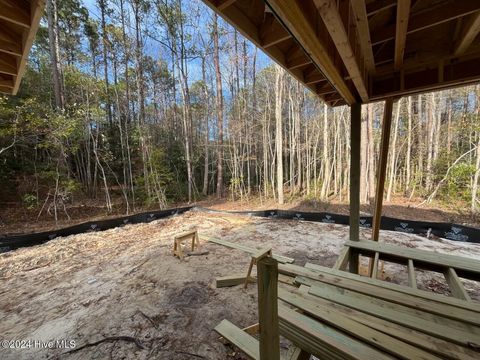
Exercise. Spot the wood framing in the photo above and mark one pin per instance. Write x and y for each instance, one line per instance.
(469, 32)
(382, 167)
(403, 11)
(365, 50)
(268, 308)
(19, 21)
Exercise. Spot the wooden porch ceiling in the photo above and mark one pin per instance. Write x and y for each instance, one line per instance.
(350, 51)
(19, 21)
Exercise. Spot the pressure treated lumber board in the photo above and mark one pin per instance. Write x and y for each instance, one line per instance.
(231, 280)
(455, 285)
(245, 342)
(465, 267)
(438, 329)
(439, 298)
(323, 341)
(366, 334)
(279, 258)
(396, 299)
(416, 338)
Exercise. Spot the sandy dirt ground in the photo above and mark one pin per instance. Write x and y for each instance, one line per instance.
(121, 294)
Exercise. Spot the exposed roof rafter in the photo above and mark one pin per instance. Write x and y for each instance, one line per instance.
(403, 13)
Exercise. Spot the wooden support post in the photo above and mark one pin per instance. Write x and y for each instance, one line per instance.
(267, 275)
(375, 265)
(355, 132)
(455, 285)
(412, 279)
(382, 167)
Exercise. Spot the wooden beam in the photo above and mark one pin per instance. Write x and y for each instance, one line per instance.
(401, 294)
(438, 15)
(244, 341)
(457, 72)
(314, 78)
(267, 269)
(223, 4)
(355, 145)
(469, 32)
(382, 167)
(300, 25)
(428, 260)
(378, 6)
(361, 21)
(333, 21)
(8, 65)
(412, 279)
(16, 12)
(342, 260)
(272, 32)
(455, 284)
(403, 13)
(10, 42)
(36, 12)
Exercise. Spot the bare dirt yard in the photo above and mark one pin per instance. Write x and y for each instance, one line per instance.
(121, 294)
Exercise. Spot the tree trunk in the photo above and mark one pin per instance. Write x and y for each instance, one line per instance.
(55, 53)
(216, 60)
(278, 130)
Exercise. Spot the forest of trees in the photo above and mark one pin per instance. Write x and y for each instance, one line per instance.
(145, 103)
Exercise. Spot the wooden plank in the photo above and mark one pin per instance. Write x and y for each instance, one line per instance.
(425, 19)
(333, 21)
(382, 167)
(355, 145)
(412, 295)
(361, 20)
(299, 24)
(465, 267)
(36, 11)
(279, 258)
(455, 285)
(245, 342)
(368, 335)
(250, 330)
(468, 336)
(467, 35)
(429, 310)
(421, 340)
(267, 273)
(322, 340)
(342, 260)
(375, 266)
(403, 14)
(16, 12)
(412, 279)
(223, 4)
(377, 6)
(231, 280)
(288, 280)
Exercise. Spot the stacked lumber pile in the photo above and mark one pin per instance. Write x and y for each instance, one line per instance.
(334, 314)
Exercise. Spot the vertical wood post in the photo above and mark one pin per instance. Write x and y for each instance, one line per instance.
(267, 274)
(355, 138)
(382, 167)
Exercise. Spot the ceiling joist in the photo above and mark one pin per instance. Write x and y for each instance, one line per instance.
(469, 32)
(403, 13)
(333, 21)
(16, 12)
(427, 19)
(296, 20)
(361, 21)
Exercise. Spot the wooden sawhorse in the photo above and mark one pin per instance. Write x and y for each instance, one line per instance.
(178, 240)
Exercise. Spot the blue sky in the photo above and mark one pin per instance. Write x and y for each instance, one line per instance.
(154, 48)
